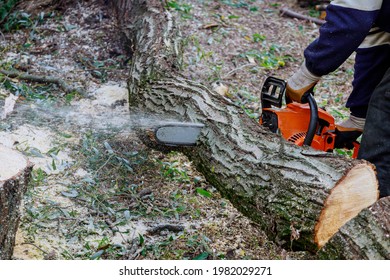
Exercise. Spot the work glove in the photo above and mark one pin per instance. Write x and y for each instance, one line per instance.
(300, 85)
(348, 131)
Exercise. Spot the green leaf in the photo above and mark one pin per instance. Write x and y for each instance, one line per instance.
(201, 256)
(35, 152)
(97, 255)
(203, 192)
(258, 37)
(108, 147)
(54, 151)
(65, 135)
(53, 164)
(72, 193)
(141, 240)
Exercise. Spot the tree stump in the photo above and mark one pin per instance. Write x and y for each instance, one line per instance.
(15, 171)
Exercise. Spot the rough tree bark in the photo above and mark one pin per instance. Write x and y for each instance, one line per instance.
(15, 172)
(365, 237)
(298, 196)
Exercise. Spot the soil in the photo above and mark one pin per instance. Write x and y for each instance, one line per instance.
(97, 192)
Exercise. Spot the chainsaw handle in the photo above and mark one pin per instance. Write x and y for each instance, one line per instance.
(311, 130)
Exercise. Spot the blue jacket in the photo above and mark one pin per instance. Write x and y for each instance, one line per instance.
(354, 25)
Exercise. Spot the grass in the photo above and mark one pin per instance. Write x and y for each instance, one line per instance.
(184, 9)
(270, 57)
(6, 7)
(11, 20)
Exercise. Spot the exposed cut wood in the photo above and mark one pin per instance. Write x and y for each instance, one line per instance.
(15, 172)
(356, 191)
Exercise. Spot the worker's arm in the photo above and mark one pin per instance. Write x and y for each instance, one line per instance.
(348, 22)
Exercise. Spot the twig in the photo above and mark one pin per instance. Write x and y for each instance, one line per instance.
(42, 79)
(32, 244)
(104, 164)
(290, 13)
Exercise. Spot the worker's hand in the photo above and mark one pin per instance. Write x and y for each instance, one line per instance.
(300, 84)
(348, 131)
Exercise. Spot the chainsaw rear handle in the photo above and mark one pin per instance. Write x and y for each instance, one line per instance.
(272, 95)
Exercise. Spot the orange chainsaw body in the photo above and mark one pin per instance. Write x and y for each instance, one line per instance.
(292, 123)
(301, 124)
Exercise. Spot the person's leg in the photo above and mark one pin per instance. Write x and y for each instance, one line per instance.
(371, 63)
(375, 145)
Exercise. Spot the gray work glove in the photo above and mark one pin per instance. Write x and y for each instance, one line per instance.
(348, 131)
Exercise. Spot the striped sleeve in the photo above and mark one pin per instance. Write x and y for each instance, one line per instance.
(376, 37)
(348, 22)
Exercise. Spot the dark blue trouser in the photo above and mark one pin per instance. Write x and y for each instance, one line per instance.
(375, 146)
(370, 66)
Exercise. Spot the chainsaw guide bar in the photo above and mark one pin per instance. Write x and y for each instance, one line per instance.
(178, 133)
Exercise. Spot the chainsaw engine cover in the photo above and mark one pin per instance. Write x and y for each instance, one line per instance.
(292, 123)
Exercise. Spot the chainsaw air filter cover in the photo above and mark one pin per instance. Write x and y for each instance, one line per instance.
(298, 138)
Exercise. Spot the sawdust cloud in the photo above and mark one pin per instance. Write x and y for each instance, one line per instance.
(80, 118)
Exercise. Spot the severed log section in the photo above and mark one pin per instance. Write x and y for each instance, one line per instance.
(15, 170)
(299, 197)
(365, 237)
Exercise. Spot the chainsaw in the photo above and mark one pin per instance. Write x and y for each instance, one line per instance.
(177, 133)
(301, 124)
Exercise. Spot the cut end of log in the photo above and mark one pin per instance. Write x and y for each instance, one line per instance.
(11, 163)
(357, 190)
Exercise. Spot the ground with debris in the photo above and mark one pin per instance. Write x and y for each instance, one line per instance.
(97, 192)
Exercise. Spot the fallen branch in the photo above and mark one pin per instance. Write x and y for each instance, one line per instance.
(290, 13)
(42, 79)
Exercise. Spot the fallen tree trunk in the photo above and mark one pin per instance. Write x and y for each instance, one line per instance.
(298, 196)
(15, 172)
